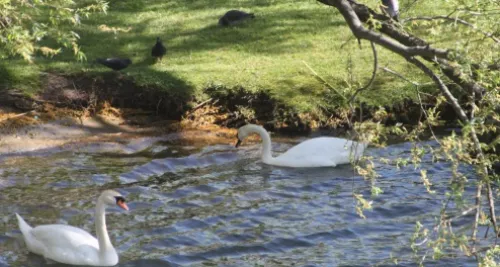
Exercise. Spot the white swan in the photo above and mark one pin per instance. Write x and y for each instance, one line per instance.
(71, 245)
(316, 152)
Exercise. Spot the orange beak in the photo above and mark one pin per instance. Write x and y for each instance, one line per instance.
(122, 205)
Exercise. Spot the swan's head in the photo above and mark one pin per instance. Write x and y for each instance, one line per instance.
(111, 198)
(245, 131)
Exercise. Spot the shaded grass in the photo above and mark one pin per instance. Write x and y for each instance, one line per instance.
(265, 53)
(20, 76)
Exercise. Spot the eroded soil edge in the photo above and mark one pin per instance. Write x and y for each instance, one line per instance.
(81, 109)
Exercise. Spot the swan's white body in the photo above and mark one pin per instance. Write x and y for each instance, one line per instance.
(71, 245)
(316, 152)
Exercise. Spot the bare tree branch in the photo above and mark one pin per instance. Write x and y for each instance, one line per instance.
(374, 74)
(484, 169)
(409, 47)
(400, 42)
(361, 32)
(476, 217)
(442, 87)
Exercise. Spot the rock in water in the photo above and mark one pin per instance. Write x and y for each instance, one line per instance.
(234, 16)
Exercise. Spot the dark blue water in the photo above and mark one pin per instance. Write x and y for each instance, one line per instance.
(217, 206)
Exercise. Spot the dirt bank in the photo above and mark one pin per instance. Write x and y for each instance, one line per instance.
(228, 107)
(71, 110)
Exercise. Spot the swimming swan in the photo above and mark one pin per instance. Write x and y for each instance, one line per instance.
(316, 152)
(71, 245)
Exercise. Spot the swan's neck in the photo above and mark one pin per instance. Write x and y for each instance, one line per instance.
(266, 143)
(101, 230)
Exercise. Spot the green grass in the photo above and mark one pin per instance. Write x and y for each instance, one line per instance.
(265, 53)
(20, 76)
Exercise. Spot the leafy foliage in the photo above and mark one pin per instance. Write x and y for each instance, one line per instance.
(28, 27)
(474, 29)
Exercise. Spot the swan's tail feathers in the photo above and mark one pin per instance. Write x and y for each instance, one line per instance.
(23, 226)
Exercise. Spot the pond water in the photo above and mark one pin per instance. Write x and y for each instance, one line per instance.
(218, 206)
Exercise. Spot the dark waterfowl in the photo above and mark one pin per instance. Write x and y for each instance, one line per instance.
(234, 16)
(159, 50)
(114, 63)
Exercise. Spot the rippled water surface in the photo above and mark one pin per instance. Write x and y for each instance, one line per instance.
(217, 206)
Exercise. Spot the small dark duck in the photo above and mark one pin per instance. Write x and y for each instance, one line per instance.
(234, 16)
(159, 50)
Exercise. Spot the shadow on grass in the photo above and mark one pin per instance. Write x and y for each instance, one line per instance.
(187, 28)
(273, 33)
(157, 91)
(5, 80)
(269, 33)
(16, 75)
(187, 5)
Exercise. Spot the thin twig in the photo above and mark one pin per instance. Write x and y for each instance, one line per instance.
(476, 217)
(455, 20)
(407, 7)
(346, 42)
(202, 104)
(419, 99)
(374, 73)
(491, 205)
(398, 75)
(480, 155)
(475, 13)
(426, 115)
(158, 105)
(368, 85)
(436, 228)
(323, 80)
(17, 115)
(463, 213)
(442, 87)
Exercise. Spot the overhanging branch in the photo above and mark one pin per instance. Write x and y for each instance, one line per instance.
(361, 32)
(400, 41)
(409, 47)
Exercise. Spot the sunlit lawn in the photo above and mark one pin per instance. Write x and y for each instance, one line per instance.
(269, 52)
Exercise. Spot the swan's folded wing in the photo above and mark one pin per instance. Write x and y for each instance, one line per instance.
(322, 151)
(60, 235)
(320, 146)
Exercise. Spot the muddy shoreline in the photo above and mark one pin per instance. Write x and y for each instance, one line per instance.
(71, 111)
(88, 95)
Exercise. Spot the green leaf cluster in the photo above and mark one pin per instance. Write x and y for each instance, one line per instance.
(28, 27)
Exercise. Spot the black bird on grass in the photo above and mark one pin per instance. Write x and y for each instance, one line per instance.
(391, 8)
(114, 62)
(159, 50)
(234, 16)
